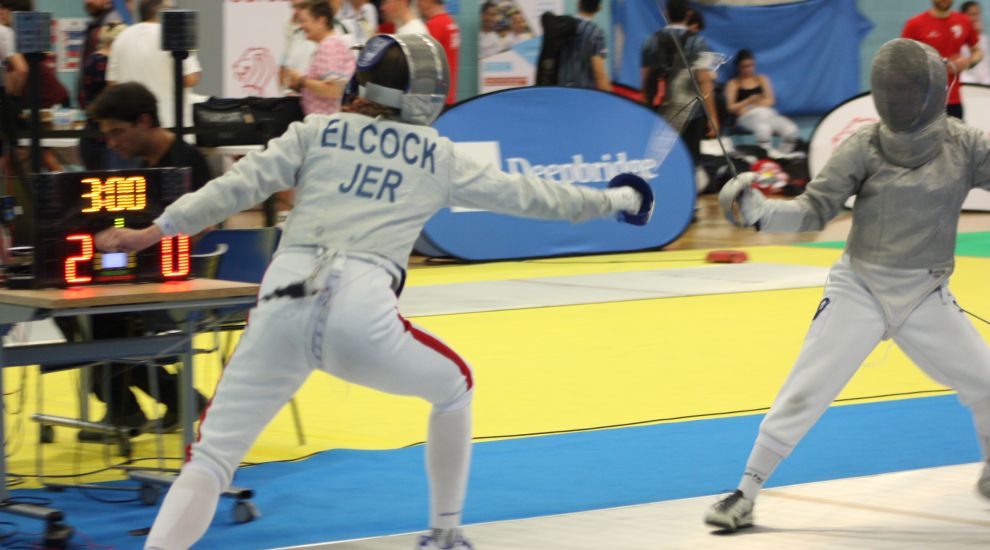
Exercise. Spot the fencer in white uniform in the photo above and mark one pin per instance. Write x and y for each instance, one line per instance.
(366, 182)
(910, 174)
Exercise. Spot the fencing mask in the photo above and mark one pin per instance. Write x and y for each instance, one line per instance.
(909, 91)
(422, 98)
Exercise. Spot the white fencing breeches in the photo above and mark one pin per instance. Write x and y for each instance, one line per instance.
(937, 336)
(364, 341)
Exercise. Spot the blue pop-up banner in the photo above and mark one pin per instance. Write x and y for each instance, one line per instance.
(569, 135)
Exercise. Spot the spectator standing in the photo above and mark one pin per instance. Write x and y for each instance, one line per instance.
(298, 49)
(400, 14)
(137, 55)
(582, 63)
(93, 151)
(365, 16)
(947, 31)
(101, 13)
(53, 93)
(668, 84)
(322, 85)
(443, 27)
(980, 72)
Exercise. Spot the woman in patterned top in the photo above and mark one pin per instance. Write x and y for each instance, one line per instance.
(322, 85)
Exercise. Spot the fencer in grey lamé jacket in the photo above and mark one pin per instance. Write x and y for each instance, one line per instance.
(904, 217)
(906, 213)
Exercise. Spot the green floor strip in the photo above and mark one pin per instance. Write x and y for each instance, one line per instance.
(967, 244)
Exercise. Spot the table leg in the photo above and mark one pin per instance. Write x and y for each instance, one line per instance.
(187, 405)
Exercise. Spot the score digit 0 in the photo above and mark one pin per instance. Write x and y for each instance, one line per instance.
(116, 194)
(175, 256)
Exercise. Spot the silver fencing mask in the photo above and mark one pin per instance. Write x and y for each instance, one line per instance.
(909, 91)
(429, 76)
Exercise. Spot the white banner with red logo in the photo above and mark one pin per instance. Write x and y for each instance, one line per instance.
(253, 43)
(845, 119)
(509, 42)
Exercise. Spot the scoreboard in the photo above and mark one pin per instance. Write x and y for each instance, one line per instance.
(71, 207)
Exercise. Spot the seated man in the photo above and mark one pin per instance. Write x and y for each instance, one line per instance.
(128, 117)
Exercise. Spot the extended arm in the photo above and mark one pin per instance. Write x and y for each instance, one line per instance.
(841, 177)
(484, 186)
(248, 182)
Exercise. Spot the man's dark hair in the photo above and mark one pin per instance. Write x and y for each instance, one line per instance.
(966, 5)
(127, 102)
(489, 4)
(589, 6)
(677, 10)
(148, 9)
(694, 17)
(17, 5)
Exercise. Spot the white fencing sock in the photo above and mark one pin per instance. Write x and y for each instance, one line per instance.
(448, 460)
(187, 510)
(761, 464)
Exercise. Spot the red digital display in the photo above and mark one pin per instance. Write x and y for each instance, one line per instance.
(72, 275)
(71, 207)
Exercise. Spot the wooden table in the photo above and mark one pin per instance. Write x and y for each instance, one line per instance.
(188, 297)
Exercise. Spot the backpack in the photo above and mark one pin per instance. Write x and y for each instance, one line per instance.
(666, 62)
(558, 32)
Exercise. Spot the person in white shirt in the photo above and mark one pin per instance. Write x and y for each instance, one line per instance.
(979, 73)
(400, 13)
(366, 182)
(365, 16)
(137, 55)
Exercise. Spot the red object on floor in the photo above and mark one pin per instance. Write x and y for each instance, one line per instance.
(726, 257)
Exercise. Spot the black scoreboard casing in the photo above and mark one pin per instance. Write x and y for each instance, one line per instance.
(69, 210)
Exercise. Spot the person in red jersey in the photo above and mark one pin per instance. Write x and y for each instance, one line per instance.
(947, 31)
(443, 27)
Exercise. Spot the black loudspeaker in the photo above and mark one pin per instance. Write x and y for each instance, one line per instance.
(178, 30)
(33, 31)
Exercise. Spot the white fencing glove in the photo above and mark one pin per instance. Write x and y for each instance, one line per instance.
(741, 204)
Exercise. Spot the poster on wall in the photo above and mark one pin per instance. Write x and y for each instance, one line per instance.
(68, 40)
(509, 42)
(253, 45)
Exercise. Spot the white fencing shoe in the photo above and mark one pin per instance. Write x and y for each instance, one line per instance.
(731, 513)
(444, 539)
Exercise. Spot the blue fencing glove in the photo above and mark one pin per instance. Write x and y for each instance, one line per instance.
(632, 198)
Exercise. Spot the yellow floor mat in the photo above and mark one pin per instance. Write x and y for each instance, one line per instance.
(542, 370)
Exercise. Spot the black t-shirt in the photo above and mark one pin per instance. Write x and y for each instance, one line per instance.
(182, 155)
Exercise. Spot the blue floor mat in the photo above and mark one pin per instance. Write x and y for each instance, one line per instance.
(347, 494)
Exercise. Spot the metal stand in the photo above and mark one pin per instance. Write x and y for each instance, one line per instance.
(57, 533)
(34, 61)
(180, 92)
